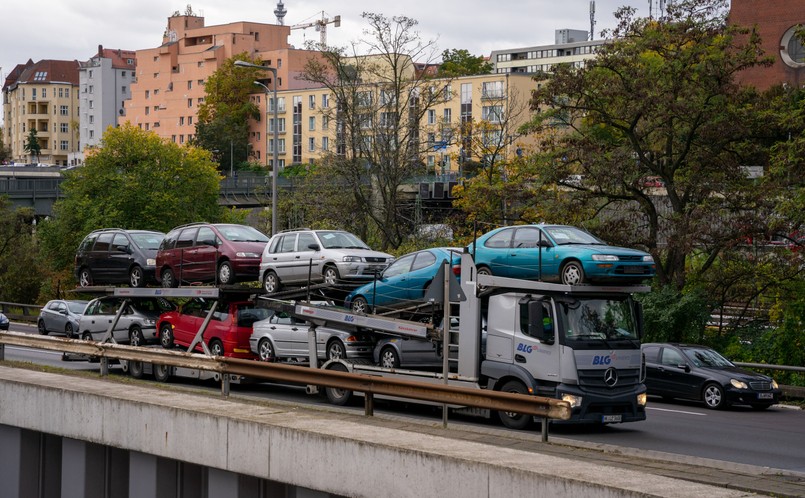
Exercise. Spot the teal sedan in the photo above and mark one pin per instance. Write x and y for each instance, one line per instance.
(558, 253)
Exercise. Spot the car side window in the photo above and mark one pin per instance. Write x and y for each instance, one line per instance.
(671, 357)
(651, 353)
(276, 242)
(205, 237)
(93, 308)
(120, 243)
(168, 242)
(288, 243)
(305, 240)
(62, 308)
(399, 267)
(423, 260)
(186, 238)
(88, 242)
(500, 240)
(526, 237)
(103, 242)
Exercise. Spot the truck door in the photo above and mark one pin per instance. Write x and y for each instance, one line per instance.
(539, 356)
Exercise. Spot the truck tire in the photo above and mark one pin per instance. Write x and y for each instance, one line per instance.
(338, 397)
(136, 369)
(162, 373)
(510, 419)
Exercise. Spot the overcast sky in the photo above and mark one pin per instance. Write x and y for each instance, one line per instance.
(73, 29)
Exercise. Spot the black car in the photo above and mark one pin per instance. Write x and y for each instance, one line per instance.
(117, 256)
(700, 373)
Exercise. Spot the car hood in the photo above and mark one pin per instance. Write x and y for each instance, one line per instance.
(255, 247)
(736, 373)
(599, 249)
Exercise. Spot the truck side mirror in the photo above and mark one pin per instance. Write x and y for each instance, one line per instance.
(638, 309)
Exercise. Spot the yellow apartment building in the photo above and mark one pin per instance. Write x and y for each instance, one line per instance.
(42, 96)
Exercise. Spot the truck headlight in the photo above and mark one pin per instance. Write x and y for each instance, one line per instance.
(604, 257)
(642, 399)
(572, 399)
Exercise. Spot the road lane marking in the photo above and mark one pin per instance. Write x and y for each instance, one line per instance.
(676, 411)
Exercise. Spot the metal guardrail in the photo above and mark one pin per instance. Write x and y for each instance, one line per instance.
(20, 312)
(367, 384)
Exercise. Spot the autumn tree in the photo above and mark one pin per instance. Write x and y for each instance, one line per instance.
(459, 62)
(380, 100)
(19, 278)
(658, 112)
(134, 180)
(225, 114)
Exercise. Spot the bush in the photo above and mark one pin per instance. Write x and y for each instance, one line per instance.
(671, 316)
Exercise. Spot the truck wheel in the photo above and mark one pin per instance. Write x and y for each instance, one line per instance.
(572, 273)
(136, 369)
(162, 373)
(339, 397)
(510, 419)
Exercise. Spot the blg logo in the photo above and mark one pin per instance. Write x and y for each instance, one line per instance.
(602, 360)
(525, 348)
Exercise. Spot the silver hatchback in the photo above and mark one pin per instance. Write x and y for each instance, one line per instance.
(329, 256)
(137, 323)
(282, 337)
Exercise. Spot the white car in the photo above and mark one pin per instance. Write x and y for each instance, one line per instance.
(136, 326)
(329, 256)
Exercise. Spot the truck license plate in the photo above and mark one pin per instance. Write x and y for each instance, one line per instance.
(765, 395)
(610, 419)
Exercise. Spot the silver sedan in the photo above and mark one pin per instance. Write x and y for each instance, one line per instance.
(61, 316)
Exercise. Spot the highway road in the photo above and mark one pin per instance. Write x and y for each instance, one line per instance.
(773, 438)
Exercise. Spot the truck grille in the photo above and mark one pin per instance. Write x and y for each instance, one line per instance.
(594, 379)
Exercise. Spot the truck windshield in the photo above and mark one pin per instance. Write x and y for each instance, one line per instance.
(594, 321)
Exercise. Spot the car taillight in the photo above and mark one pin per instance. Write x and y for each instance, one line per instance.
(456, 270)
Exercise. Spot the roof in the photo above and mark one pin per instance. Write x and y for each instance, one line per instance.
(119, 57)
(49, 71)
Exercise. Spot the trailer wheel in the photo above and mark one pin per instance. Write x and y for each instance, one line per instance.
(514, 420)
(162, 373)
(339, 397)
(136, 369)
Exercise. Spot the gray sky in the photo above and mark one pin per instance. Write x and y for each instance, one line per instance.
(73, 29)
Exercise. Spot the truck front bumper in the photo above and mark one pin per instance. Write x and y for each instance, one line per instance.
(591, 407)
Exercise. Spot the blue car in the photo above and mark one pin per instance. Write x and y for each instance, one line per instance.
(404, 282)
(558, 253)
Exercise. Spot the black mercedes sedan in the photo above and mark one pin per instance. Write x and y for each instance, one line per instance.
(699, 373)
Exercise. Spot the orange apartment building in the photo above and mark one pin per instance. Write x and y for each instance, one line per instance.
(170, 78)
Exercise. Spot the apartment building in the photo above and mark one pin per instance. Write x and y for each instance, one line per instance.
(42, 96)
(104, 87)
(170, 79)
(570, 47)
(478, 116)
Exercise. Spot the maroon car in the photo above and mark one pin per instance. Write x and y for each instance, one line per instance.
(220, 253)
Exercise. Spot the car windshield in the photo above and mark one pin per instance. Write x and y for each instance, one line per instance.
(148, 241)
(599, 320)
(340, 240)
(152, 304)
(77, 307)
(240, 233)
(571, 235)
(703, 357)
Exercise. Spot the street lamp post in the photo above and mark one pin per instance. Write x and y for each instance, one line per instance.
(275, 168)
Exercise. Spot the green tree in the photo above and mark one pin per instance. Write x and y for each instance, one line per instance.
(32, 146)
(459, 62)
(135, 180)
(19, 278)
(382, 100)
(223, 117)
(659, 106)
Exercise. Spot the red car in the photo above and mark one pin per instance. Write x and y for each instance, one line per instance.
(227, 334)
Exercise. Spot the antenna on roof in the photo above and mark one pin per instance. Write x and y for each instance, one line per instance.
(592, 20)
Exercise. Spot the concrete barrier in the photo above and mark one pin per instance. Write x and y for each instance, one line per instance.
(320, 450)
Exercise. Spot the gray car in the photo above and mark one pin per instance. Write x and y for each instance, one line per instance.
(136, 326)
(329, 256)
(61, 316)
(394, 352)
(282, 337)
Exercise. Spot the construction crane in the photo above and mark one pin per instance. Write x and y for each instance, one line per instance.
(321, 26)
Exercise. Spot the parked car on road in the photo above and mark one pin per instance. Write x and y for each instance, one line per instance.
(117, 256)
(61, 316)
(227, 333)
(404, 282)
(699, 373)
(4, 322)
(210, 252)
(558, 253)
(137, 323)
(281, 337)
(328, 256)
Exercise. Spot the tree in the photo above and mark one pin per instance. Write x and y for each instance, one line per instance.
(19, 278)
(459, 62)
(223, 117)
(135, 180)
(381, 100)
(659, 106)
(32, 146)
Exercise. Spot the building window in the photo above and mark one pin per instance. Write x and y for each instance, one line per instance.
(44, 93)
(311, 144)
(311, 123)
(123, 89)
(189, 102)
(64, 145)
(448, 116)
(91, 134)
(90, 73)
(63, 110)
(279, 63)
(148, 94)
(325, 143)
(147, 111)
(122, 74)
(200, 64)
(190, 120)
(325, 122)
(181, 120)
(61, 92)
(325, 100)
(91, 89)
(67, 92)
(311, 101)
(33, 93)
(492, 90)
(791, 49)
(190, 85)
(431, 116)
(492, 113)
(181, 139)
